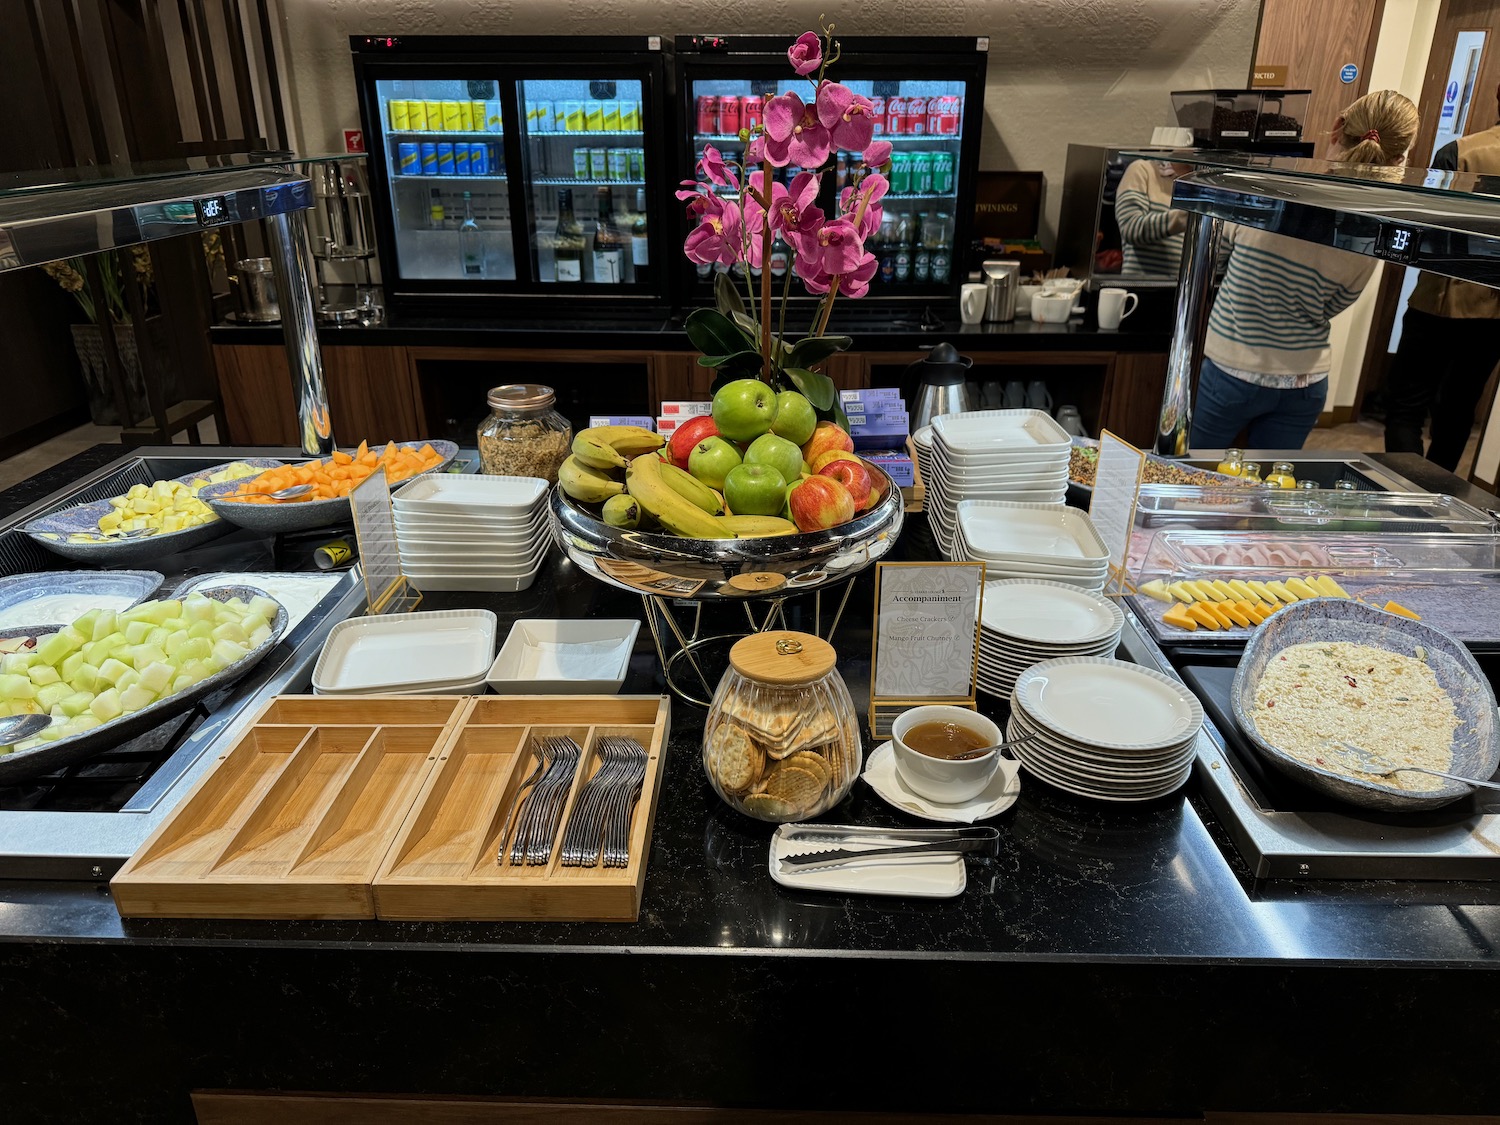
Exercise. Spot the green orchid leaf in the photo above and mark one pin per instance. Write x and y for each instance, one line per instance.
(740, 363)
(815, 349)
(838, 417)
(818, 388)
(727, 297)
(713, 333)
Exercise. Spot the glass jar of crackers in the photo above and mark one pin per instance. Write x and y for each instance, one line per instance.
(782, 740)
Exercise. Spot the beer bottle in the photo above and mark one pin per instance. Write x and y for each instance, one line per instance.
(903, 248)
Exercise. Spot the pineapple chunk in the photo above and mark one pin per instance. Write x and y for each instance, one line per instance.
(1279, 589)
(1301, 588)
(1154, 589)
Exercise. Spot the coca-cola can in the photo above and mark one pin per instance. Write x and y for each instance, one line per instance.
(877, 114)
(708, 114)
(916, 116)
(895, 115)
(935, 114)
(952, 113)
(752, 110)
(729, 115)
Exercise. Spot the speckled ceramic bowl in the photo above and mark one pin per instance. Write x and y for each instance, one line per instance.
(19, 589)
(1476, 745)
(300, 515)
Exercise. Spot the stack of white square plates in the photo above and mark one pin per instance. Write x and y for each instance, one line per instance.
(1105, 729)
(1018, 455)
(472, 533)
(1026, 622)
(1044, 541)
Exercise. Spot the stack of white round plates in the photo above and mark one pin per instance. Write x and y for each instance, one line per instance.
(1026, 622)
(1019, 455)
(1043, 541)
(921, 441)
(472, 533)
(1104, 728)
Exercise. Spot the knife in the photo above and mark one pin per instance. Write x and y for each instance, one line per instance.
(838, 856)
(840, 833)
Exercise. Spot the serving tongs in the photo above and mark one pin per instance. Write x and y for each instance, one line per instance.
(920, 841)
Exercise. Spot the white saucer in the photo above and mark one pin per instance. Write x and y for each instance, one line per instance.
(880, 774)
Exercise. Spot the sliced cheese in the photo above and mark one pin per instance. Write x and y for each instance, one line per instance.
(1225, 590)
(1205, 591)
(1218, 610)
(1282, 593)
(1233, 612)
(1155, 589)
(1242, 590)
(1199, 612)
(1253, 610)
(1261, 591)
(1180, 617)
(1180, 591)
(1301, 588)
(1329, 588)
(1401, 610)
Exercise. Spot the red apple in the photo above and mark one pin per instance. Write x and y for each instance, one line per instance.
(854, 476)
(819, 502)
(828, 458)
(879, 484)
(689, 434)
(825, 437)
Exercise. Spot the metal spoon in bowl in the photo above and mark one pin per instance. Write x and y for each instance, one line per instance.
(1366, 762)
(969, 755)
(291, 492)
(18, 728)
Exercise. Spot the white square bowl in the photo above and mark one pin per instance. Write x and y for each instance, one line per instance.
(547, 657)
(999, 433)
(1031, 533)
(469, 525)
(406, 650)
(471, 495)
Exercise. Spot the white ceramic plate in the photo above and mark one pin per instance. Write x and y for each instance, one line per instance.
(914, 876)
(1008, 529)
(490, 584)
(996, 431)
(470, 495)
(1109, 703)
(1049, 613)
(1103, 791)
(1129, 768)
(880, 774)
(407, 650)
(452, 523)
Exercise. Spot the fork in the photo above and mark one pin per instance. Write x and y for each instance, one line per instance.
(599, 827)
(539, 822)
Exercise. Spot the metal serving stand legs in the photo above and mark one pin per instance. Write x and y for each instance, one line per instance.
(287, 234)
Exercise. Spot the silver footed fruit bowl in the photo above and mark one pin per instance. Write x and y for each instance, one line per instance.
(672, 566)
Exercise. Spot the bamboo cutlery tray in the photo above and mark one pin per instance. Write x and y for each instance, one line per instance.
(391, 807)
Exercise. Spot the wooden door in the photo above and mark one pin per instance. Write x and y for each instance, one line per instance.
(1315, 40)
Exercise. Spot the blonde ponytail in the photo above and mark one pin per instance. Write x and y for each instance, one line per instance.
(1379, 128)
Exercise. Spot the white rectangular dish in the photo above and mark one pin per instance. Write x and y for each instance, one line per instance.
(435, 521)
(547, 657)
(407, 650)
(1019, 531)
(418, 568)
(491, 585)
(475, 495)
(994, 433)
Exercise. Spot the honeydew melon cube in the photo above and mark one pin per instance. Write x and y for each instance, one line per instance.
(252, 622)
(84, 626)
(43, 674)
(145, 655)
(71, 665)
(127, 677)
(76, 637)
(195, 648)
(16, 663)
(80, 723)
(198, 608)
(260, 636)
(230, 631)
(111, 671)
(264, 607)
(235, 603)
(52, 695)
(159, 613)
(51, 734)
(55, 649)
(15, 687)
(158, 636)
(86, 678)
(104, 625)
(157, 678)
(174, 642)
(56, 715)
(106, 706)
(135, 632)
(228, 652)
(204, 629)
(194, 672)
(135, 698)
(77, 703)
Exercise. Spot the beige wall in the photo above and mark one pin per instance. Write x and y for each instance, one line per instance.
(1061, 71)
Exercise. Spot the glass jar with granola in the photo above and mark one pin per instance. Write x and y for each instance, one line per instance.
(782, 740)
(524, 436)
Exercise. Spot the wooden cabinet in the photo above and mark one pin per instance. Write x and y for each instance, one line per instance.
(1132, 397)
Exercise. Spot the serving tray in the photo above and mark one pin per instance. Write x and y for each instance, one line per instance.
(389, 807)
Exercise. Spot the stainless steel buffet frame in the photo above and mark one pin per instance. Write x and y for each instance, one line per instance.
(1444, 222)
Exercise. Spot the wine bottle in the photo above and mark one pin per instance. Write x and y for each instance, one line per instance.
(609, 242)
(567, 253)
(640, 243)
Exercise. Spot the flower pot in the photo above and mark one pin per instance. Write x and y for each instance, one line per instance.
(88, 342)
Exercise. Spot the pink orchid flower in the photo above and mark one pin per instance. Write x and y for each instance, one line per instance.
(755, 215)
(878, 154)
(856, 282)
(842, 247)
(872, 187)
(715, 170)
(794, 132)
(689, 189)
(808, 265)
(806, 55)
(717, 237)
(795, 211)
(755, 151)
(846, 116)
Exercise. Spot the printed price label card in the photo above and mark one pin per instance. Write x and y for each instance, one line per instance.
(386, 588)
(1117, 487)
(926, 642)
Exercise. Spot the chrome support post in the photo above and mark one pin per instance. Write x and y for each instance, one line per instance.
(287, 234)
(1200, 251)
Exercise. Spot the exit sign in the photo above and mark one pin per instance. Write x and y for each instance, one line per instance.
(1266, 74)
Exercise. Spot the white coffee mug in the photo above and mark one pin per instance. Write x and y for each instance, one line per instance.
(971, 302)
(1115, 305)
(1052, 308)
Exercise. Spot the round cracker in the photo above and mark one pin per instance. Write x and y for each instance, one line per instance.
(734, 758)
(799, 787)
(813, 763)
(766, 807)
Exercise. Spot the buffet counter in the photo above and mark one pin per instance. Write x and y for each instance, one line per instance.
(1110, 959)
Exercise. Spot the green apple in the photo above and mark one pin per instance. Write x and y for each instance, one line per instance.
(754, 490)
(779, 453)
(744, 409)
(711, 460)
(795, 417)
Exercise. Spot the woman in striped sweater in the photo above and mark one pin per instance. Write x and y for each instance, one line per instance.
(1150, 230)
(1266, 358)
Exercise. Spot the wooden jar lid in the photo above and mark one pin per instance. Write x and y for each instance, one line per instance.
(783, 658)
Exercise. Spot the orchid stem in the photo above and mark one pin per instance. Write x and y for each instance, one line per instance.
(786, 292)
(765, 272)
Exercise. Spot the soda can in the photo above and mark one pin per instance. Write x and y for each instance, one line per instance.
(429, 159)
(708, 114)
(593, 114)
(934, 114)
(630, 116)
(434, 115)
(895, 116)
(877, 114)
(416, 116)
(462, 165)
(900, 179)
(612, 117)
(496, 159)
(452, 118)
(546, 118)
(752, 110)
(465, 115)
(921, 173)
(575, 117)
(560, 118)
(599, 163)
(479, 158)
(480, 113)
(409, 159)
(730, 115)
(952, 115)
(637, 167)
(916, 116)
(445, 158)
(942, 173)
(400, 121)
(580, 163)
(619, 164)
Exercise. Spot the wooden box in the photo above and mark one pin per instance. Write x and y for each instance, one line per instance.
(378, 806)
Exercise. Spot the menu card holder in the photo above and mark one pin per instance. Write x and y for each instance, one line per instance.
(1117, 489)
(387, 590)
(925, 643)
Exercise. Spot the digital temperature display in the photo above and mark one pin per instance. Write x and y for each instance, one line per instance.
(1398, 244)
(213, 210)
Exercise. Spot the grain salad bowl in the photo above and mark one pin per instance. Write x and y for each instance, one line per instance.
(1476, 742)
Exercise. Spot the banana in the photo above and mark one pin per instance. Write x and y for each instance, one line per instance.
(691, 489)
(584, 482)
(758, 527)
(623, 511)
(645, 481)
(596, 454)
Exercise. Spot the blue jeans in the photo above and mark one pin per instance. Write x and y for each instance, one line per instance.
(1275, 418)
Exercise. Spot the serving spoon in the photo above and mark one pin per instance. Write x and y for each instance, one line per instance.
(1366, 762)
(18, 728)
(290, 492)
